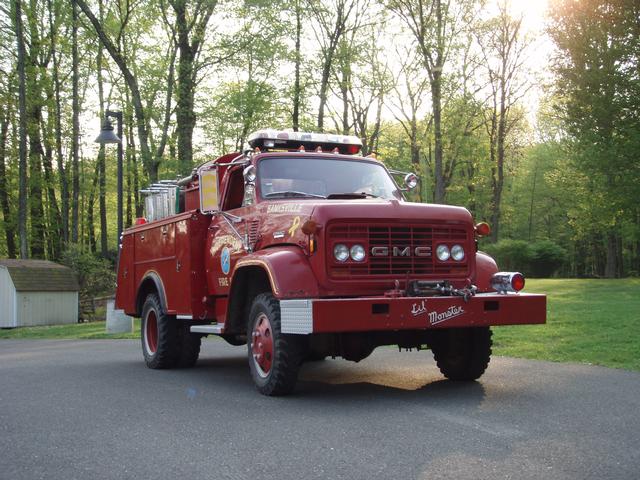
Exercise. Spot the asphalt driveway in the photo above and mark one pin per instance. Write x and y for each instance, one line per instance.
(91, 409)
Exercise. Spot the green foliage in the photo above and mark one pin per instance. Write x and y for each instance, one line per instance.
(510, 255)
(95, 275)
(538, 259)
(545, 258)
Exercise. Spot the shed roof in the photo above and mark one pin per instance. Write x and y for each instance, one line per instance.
(40, 276)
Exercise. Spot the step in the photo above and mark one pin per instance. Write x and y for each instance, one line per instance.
(214, 329)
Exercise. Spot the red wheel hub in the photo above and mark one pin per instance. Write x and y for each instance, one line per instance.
(151, 332)
(262, 345)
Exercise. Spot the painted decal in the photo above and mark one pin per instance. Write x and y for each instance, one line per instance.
(284, 208)
(278, 234)
(418, 308)
(223, 281)
(451, 312)
(225, 260)
(294, 226)
(435, 317)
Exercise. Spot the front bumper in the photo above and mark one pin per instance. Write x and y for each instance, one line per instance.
(304, 316)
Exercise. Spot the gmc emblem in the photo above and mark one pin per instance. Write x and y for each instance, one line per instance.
(400, 252)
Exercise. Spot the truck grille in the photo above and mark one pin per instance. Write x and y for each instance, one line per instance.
(401, 236)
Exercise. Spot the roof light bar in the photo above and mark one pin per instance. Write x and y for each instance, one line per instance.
(275, 139)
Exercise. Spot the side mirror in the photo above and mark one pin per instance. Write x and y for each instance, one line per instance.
(249, 174)
(411, 181)
(208, 184)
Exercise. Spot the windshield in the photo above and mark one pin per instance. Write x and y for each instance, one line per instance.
(284, 177)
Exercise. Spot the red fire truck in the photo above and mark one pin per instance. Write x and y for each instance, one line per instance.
(301, 248)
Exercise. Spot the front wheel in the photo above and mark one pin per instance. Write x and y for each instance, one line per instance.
(274, 357)
(462, 353)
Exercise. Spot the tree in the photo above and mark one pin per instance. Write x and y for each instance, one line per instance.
(191, 19)
(598, 97)
(435, 25)
(504, 48)
(22, 108)
(332, 24)
(132, 83)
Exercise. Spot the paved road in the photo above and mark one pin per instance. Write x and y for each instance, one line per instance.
(92, 410)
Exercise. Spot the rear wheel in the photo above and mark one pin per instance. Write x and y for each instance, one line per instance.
(274, 357)
(462, 353)
(159, 335)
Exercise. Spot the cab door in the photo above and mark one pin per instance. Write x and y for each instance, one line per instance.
(228, 234)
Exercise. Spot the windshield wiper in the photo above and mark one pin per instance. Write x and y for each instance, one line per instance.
(292, 193)
(352, 195)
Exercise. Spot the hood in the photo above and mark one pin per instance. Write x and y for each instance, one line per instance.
(390, 210)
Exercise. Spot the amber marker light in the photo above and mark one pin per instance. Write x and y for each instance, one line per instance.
(483, 229)
(310, 227)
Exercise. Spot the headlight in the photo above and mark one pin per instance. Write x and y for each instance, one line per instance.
(341, 252)
(457, 253)
(357, 253)
(442, 252)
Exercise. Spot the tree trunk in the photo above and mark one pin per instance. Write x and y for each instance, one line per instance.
(22, 149)
(324, 89)
(298, 61)
(185, 116)
(34, 106)
(188, 50)
(101, 167)
(36, 209)
(9, 229)
(75, 130)
(62, 175)
(611, 265)
(91, 230)
(436, 99)
(55, 218)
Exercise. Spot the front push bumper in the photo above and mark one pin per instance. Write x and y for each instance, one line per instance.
(304, 316)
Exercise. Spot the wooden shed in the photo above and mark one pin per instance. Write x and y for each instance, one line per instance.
(37, 292)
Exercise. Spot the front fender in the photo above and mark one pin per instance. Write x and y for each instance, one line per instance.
(485, 268)
(288, 269)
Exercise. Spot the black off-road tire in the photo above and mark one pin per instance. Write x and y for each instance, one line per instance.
(462, 353)
(188, 347)
(287, 350)
(315, 356)
(162, 351)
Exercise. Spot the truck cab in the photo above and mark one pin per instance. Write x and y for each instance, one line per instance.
(301, 248)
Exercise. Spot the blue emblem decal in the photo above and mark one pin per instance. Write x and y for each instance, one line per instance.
(225, 260)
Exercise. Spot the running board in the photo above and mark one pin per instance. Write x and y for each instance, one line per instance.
(214, 329)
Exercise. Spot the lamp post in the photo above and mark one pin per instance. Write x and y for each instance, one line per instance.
(107, 136)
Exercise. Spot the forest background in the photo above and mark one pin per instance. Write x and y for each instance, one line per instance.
(527, 116)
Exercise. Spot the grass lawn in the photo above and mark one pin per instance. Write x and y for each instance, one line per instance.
(588, 321)
(90, 330)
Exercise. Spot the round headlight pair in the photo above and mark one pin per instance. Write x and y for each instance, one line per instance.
(456, 253)
(342, 253)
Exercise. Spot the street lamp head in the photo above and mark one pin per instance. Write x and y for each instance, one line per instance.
(106, 134)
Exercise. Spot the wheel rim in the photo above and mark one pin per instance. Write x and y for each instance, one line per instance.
(262, 345)
(151, 332)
